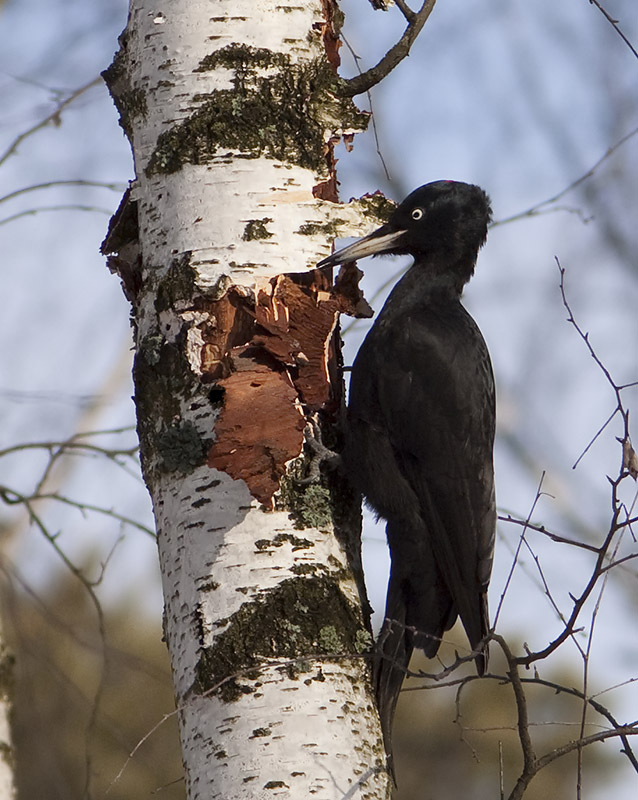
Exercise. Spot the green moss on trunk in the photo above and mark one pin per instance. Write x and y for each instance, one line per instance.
(276, 108)
(300, 617)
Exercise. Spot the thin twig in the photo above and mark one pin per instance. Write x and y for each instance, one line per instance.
(11, 497)
(586, 659)
(72, 448)
(115, 187)
(102, 673)
(538, 208)
(542, 529)
(596, 435)
(614, 23)
(375, 132)
(618, 729)
(550, 597)
(518, 549)
(51, 119)
(74, 207)
(619, 561)
(584, 336)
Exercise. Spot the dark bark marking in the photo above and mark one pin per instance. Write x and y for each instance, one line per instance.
(130, 101)
(181, 449)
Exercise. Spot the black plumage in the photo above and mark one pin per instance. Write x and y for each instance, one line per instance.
(420, 431)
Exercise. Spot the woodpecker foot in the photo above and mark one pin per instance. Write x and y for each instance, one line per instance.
(320, 455)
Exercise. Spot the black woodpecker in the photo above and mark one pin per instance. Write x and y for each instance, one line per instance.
(420, 431)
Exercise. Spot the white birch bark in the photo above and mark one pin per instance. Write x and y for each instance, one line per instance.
(7, 755)
(295, 727)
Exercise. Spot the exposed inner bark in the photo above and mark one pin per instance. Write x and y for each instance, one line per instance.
(269, 353)
(260, 427)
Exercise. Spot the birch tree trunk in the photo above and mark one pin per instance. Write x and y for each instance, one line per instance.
(7, 754)
(233, 110)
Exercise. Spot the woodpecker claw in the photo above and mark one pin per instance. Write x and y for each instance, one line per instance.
(320, 455)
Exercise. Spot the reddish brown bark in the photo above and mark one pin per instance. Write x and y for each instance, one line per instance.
(275, 357)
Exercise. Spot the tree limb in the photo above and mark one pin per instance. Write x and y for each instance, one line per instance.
(371, 77)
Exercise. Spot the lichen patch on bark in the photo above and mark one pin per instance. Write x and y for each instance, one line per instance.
(275, 107)
(287, 622)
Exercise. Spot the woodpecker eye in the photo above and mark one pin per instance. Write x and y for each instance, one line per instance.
(417, 213)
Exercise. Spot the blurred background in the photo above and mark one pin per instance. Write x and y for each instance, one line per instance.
(525, 99)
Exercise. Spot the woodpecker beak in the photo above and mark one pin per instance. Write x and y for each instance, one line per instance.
(383, 240)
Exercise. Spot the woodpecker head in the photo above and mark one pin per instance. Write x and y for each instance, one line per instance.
(443, 223)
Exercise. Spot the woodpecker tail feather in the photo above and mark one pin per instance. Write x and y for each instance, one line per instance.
(418, 611)
(394, 649)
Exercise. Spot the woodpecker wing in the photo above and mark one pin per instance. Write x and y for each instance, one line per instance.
(430, 390)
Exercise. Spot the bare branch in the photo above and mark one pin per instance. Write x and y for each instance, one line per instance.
(625, 440)
(529, 756)
(542, 529)
(74, 447)
(620, 730)
(596, 435)
(579, 602)
(619, 512)
(533, 764)
(586, 659)
(394, 56)
(84, 507)
(405, 10)
(598, 707)
(584, 336)
(619, 561)
(102, 672)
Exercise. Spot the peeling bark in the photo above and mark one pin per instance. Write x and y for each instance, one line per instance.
(233, 121)
(272, 353)
(260, 427)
